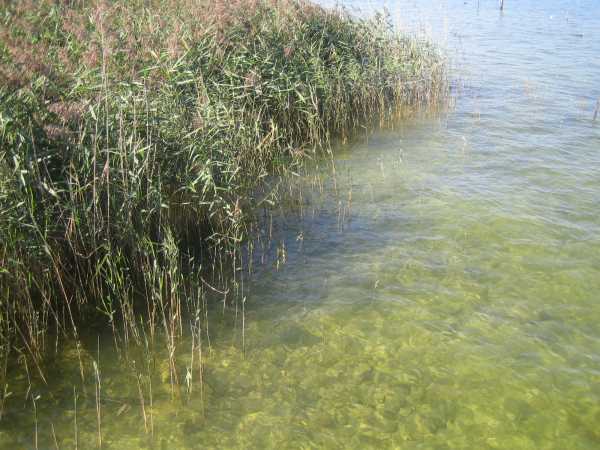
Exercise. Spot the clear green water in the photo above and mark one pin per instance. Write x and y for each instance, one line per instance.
(459, 307)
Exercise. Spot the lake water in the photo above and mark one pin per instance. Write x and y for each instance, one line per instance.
(456, 305)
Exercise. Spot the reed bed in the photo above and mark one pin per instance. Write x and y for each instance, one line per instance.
(134, 139)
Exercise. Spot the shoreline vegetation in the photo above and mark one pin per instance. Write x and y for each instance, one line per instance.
(134, 136)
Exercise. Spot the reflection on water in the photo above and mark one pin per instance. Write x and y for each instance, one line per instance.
(458, 308)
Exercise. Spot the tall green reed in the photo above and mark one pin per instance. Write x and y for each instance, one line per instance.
(135, 137)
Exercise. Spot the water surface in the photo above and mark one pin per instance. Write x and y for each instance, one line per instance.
(455, 304)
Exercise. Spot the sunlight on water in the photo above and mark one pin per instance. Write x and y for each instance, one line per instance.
(459, 307)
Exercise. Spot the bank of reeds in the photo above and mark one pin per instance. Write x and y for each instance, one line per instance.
(134, 133)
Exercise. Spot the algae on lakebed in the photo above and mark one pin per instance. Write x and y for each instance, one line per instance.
(461, 342)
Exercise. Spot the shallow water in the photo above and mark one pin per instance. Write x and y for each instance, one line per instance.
(456, 304)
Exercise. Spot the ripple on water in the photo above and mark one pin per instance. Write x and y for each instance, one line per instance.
(459, 307)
